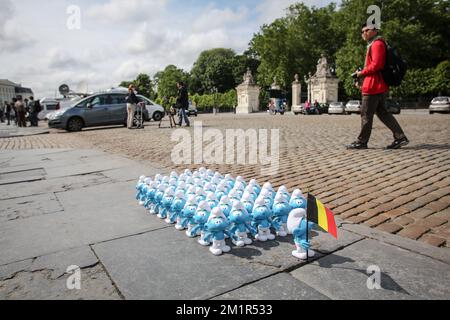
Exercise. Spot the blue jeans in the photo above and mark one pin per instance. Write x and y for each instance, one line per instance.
(183, 115)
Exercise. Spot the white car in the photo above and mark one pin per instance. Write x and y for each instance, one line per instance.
(440, 104)
(336, 108)
(297, 109)
(353, 106)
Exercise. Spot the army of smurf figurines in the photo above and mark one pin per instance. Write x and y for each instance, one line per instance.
(214, 207)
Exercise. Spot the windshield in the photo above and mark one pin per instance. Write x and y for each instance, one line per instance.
(440, 99)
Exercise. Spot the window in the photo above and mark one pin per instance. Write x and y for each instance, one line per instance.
(118, 99)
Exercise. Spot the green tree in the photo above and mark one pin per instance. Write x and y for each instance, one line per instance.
(441, 79)
(293, 44)
(213, 69)
(144, 86)
(167, 82)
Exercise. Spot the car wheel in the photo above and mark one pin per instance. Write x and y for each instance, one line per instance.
(431, 112)
(74, 125)
(157, 116)
(195, 114)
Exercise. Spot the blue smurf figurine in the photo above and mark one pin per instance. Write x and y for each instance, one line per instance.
(255, 186)
(248, 202)
(297, 201)
(212, 199)
(139, 186)
(151, 192)
(166, 203)
(216, 229)
(176, 207)
(240, 225)
(158, 199)
(144, 189)
(297, 226)
(225, 205)
(185, 218)
(200, 219)
(261, 220)
(280, 213)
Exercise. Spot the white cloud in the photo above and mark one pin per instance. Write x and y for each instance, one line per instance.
(213, 18)
(130, 11)
(12, 38)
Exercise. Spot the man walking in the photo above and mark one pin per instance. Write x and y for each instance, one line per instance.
(374, 91)
(183, 103)
(33, 114)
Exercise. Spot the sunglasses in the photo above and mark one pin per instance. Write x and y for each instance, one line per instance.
(366, 30)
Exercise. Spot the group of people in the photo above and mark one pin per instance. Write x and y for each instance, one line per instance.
(18, 109)
(273, 109)
(312, 108)
(182, 104)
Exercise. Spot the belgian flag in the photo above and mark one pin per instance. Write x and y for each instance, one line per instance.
(316, 212)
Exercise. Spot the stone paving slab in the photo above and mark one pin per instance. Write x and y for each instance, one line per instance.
(26, 207)
(404, 274)
(56, 185)
(46, 278)
(278, 287)
(91, 215)
(441, 254)
(166, 265)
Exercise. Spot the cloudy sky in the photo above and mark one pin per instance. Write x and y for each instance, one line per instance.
(119, 39)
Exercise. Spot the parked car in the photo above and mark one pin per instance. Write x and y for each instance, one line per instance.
(353, 106)
(323, 108)
(101, 109)
(192, 110)
(393, 106)
(336, 108)
(298, 109)
(440, 104)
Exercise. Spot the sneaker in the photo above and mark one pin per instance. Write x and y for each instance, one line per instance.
(397, 144)
(357, 145)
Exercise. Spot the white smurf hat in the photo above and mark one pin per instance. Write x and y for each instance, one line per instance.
(229, 177)
(247, 197)
(180, 194)
(199, 191)
(158, 177)
(187, 172)
(169, 192)
(204, 205)
(268, 186)
(253, 182)
(297, 193)
(142, 178)
(162, 188)
(182, 185)
(280, 198)
(217, 213)
(260, 202)
(264, 193)
(192, 189)
(174, 174)
(148, 180)
(225, 200)
(237, 205)
(211, 196)
(239, 185)
(154, 184)
(191, 201)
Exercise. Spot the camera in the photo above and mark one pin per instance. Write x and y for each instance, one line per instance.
(354, 75)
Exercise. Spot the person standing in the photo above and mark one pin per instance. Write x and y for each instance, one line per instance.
(20, 108)
(32, 112)
(8, 110)
(183, 103)
(374, 91)
(132, 101)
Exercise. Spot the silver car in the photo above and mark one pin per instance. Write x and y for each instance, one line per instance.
(101, 109)
(440, 104)
(353, 106)
(336, 108)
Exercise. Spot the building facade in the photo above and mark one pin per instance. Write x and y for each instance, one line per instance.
(10, 90)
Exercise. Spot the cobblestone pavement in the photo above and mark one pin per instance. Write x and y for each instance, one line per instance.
(404, 192)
